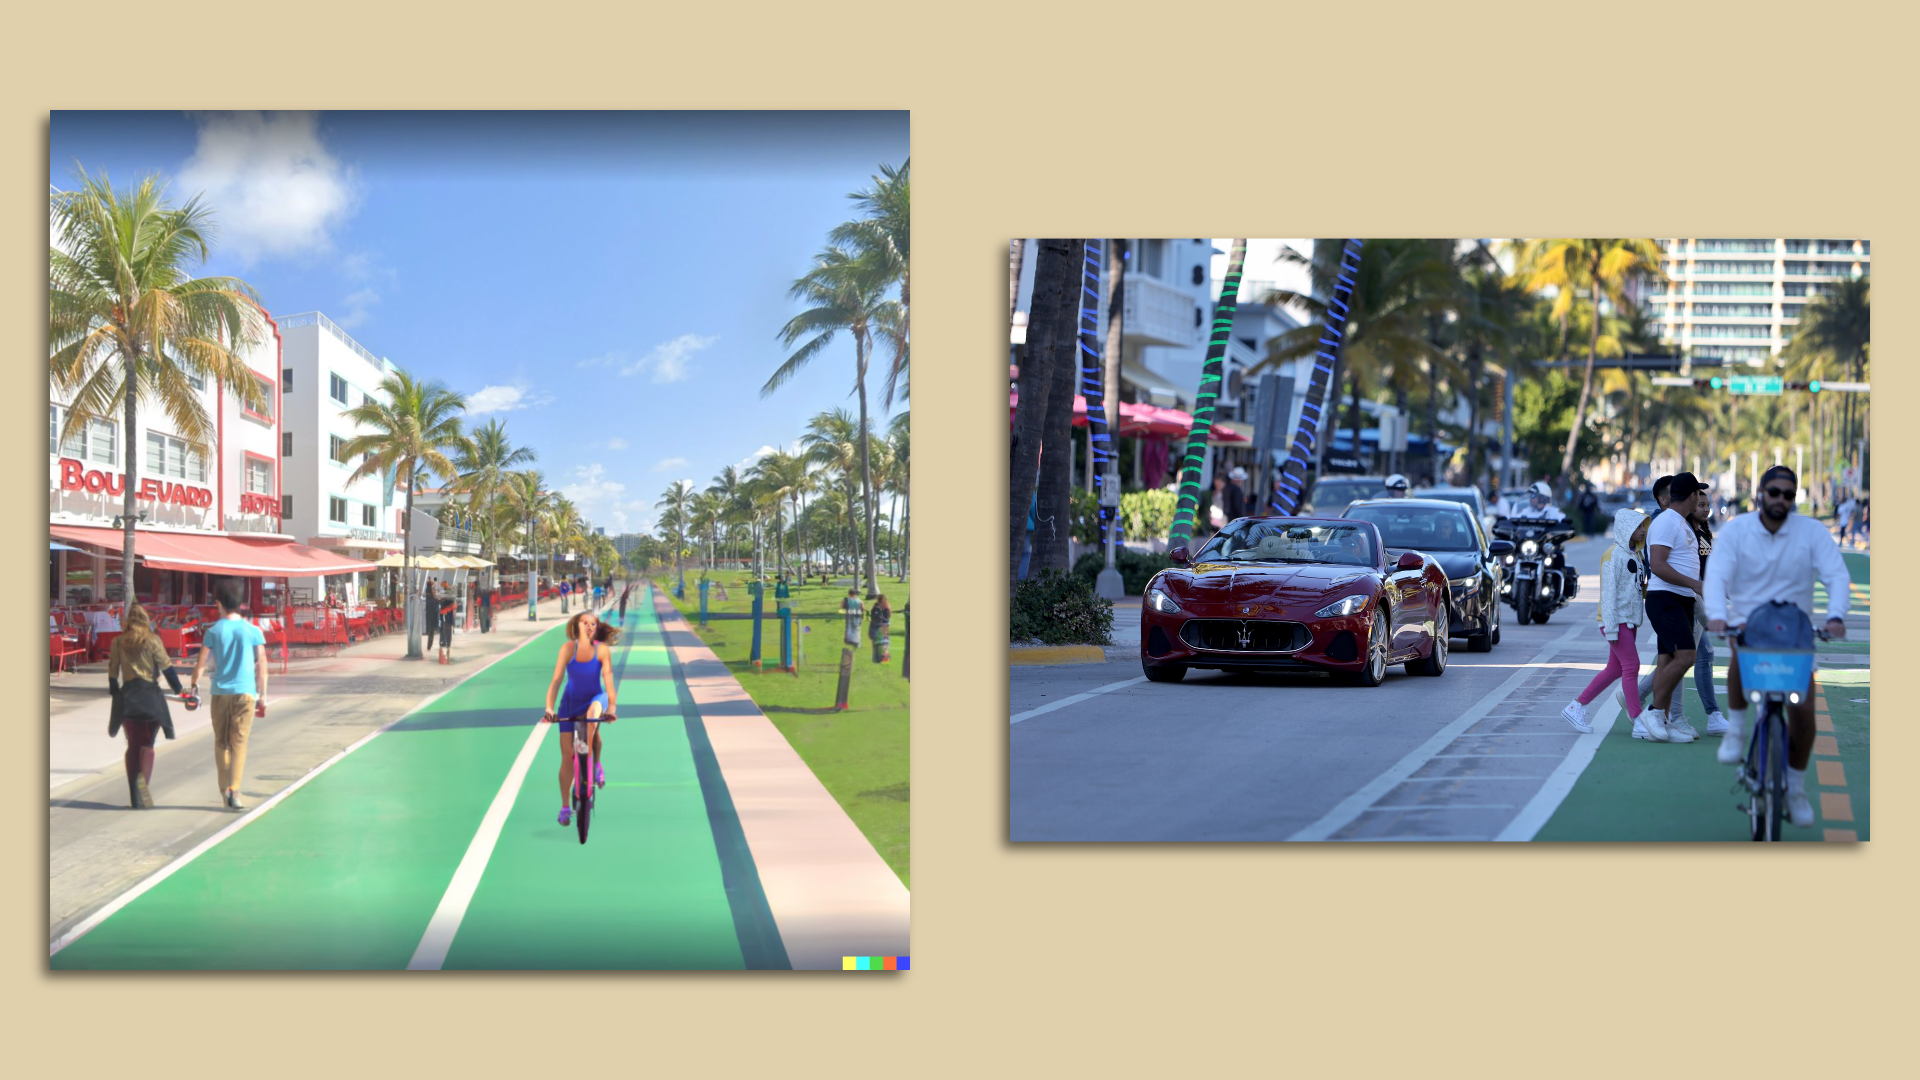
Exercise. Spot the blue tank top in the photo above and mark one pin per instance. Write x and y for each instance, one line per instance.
(583, 681)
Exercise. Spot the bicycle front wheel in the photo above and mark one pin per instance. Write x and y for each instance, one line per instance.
(582, 793)
(1776, 773)
(1755, 774)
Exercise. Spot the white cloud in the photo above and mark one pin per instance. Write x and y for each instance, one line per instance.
(373, 276)
(494, 399)
(746, 463)
(604, 503)
(607, 359)
(616, 443)
(272, 186)
(669, 464)
(668, 360)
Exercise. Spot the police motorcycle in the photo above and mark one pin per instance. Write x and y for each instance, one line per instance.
(1538, 580)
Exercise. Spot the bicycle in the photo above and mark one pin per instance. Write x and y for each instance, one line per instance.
(584, 761)
(1772, 679)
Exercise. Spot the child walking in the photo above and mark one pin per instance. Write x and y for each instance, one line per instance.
(1622, 610)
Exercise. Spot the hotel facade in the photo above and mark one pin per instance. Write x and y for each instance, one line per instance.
(1738, 301)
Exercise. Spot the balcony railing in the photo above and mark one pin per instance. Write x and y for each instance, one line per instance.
(1157, 314)
(315, 318)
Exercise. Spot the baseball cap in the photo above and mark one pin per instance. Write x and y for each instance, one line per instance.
(1683, 485)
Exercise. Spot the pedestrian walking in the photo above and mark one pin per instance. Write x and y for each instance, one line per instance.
(1844, 516)
(879, 628)
(135, 664)
(486, 609)
(449, 608)
(236, 651)
(1589, 510)
(1622, 610)
(1673, 553)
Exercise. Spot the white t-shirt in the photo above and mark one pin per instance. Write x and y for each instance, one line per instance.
(1671, 530)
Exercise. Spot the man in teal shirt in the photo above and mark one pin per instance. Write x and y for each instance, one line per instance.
(237, 652)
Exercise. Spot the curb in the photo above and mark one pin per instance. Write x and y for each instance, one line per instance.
(1058, 654)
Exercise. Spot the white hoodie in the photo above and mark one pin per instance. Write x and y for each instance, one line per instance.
(1620, 597)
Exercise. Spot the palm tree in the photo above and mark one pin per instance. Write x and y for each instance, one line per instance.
(409, 435)
(1048, 368)
(1204, 398)
(523, 496)
(1110, 391)
(1838, 324)
(832, 442)
(1599, 266)
(847, 291)
(1390, 294)
(705, 513)
(781, 475)
(126, 323)
(482, 474)
(727, 486)
(883, 236)
(899, 439)
(677, 502)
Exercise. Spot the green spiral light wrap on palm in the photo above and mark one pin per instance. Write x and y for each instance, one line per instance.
(1209, 393)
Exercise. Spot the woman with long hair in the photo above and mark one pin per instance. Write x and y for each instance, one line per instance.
(589, 696)
(138, 658)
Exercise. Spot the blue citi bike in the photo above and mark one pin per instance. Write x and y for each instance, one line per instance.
(1774, 672)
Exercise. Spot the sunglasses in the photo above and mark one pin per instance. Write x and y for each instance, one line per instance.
(1777, 493)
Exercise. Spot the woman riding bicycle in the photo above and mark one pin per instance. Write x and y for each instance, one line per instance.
(589, 695)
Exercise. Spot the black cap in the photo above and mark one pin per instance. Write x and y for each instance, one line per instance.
(1683, 486)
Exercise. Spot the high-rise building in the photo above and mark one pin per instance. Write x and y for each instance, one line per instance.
(1738, 301)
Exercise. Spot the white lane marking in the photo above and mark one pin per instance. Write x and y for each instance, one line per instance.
(1362, 800)
(1528, 822)
(434, 944)
(1066, 701)
(1437, 779)
(1479, 806)
(1443, 757)
(80, 928)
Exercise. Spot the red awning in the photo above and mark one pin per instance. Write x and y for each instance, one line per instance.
(234, 556)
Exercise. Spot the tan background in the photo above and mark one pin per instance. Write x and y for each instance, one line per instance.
(1145, 119)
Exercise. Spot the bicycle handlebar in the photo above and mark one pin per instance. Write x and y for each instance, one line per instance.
(605, 718)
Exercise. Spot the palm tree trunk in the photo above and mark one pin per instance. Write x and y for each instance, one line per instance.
(413, 623)
(126, 500)
(1016, 255)
(1309, 436)
(1586, 390)
(1110, 392)
(860, 347)
(1207, 394)
(1039, 361)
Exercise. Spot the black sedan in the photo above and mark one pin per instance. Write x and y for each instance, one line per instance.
(1448, 532)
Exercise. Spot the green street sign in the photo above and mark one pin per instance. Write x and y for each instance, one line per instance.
(1754, 384)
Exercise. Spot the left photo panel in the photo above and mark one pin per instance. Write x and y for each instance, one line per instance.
(478, 541)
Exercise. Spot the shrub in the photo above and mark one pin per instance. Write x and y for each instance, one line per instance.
(1086, 516)
(1148, 515)
(1059, 609)
(1136, 568)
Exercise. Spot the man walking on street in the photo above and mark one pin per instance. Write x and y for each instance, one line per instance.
(236, 650)
(1673, 554)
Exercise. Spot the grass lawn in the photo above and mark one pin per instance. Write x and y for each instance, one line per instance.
(861, 754)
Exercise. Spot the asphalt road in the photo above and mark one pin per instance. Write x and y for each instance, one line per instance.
(1479, 753)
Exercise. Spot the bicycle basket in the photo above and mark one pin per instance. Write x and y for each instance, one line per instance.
(1785, 672)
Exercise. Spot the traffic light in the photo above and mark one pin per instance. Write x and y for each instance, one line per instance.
(1714, 382)
(1814, 386)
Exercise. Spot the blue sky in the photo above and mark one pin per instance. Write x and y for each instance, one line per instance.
(610, 285)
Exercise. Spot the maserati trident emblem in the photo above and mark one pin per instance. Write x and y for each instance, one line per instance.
(1246, 611)
(1246, 634)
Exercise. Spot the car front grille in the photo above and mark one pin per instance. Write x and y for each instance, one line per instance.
(1245, 636)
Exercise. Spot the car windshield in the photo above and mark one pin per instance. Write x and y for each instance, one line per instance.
(1422, 528)
(1291, 541)
(1331, 493)
(1464, 498)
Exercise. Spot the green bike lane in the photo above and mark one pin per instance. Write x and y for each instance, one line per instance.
(347, 871)
(1639, 790)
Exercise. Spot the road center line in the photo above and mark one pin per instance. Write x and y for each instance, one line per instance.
(1066, 701)
(1362, 800)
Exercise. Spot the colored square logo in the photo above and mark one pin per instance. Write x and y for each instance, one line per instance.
(891, 962)
(906, 962)
(849, 963)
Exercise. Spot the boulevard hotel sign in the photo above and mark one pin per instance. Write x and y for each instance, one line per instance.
(76, 477)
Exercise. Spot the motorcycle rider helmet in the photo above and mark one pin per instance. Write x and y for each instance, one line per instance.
(1396, 484)
(1542, 489)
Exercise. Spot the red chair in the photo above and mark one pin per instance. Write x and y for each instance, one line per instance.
(62, 650)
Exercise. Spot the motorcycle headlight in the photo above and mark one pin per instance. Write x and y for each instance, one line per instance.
(1547, 548)
(1509, 560)
(1160, 601)
(1344, 606)
(1529, 548)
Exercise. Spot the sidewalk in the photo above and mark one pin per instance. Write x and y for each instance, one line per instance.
(78, 704)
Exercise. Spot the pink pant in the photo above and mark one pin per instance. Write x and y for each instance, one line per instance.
(1623, 663)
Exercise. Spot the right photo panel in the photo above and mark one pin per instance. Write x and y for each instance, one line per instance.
(1439, 539)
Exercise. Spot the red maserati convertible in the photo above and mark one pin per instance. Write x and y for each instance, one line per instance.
(1295, 594)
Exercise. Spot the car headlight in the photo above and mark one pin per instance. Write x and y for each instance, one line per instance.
(1463, 583)
(1528, 547)
(1344, 606)
(1160, 601)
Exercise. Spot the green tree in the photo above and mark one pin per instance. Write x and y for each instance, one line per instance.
(126, 323)
(676, 504)
(482, 469)
(412, 431)
(883, 236)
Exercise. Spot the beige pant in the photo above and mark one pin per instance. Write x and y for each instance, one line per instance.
(232, 719)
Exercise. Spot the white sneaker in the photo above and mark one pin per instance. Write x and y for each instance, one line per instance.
(1576, 715)
(1716, 723)
(1800, 809)
(1680, 730)
(1733, 744)
(1651, 725)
